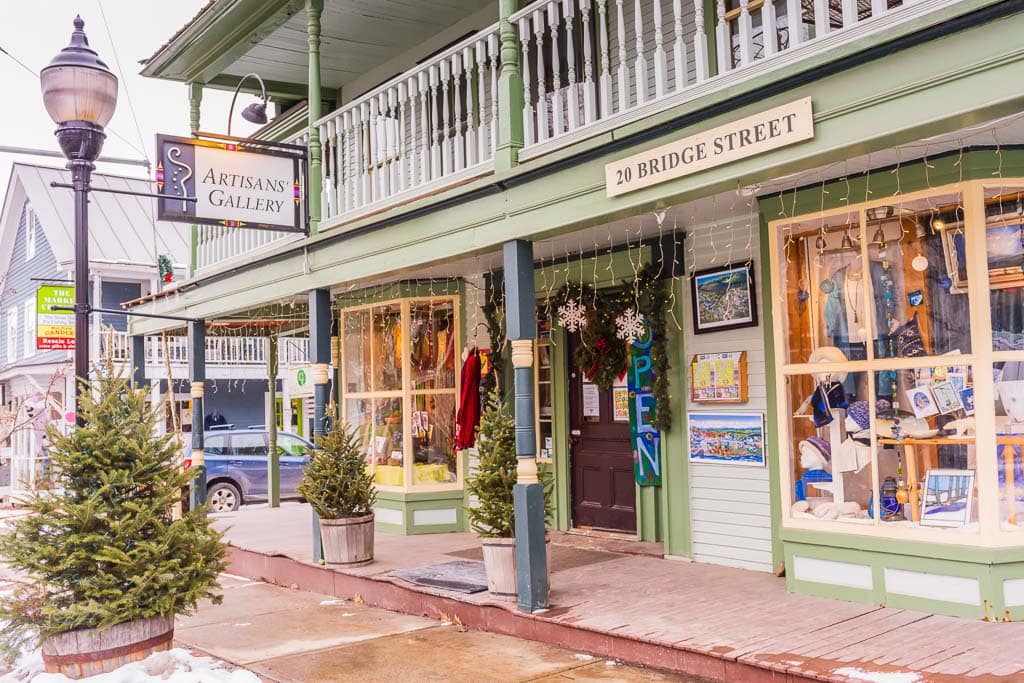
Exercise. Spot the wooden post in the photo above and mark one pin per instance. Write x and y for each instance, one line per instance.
(528, 494)
(273, 457)
(139, 380)
(510, 87)
(197, 377)
(314, 9)
(319, 357)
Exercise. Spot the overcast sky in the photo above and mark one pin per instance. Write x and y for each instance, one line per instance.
(34, 32)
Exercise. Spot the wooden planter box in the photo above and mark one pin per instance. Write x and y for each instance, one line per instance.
(348, 541)
(87, 652)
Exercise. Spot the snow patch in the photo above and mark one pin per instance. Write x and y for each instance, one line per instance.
(878, 676)
(173, 666)
(583, 657)
(332, 602)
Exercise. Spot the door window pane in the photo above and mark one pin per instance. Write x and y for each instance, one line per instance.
(248, 443)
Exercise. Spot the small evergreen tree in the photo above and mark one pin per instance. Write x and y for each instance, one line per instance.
(494, 515)
(102, 547)
(336, 481)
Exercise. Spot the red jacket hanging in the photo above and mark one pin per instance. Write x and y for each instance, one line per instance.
(468, 418)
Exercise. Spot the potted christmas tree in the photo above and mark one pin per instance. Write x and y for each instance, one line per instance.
(493, 517)
(340, 489)
(106, 567)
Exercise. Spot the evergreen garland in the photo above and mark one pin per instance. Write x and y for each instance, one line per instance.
(601, 355)
(494, 317)
(336, 483)
(102, 548)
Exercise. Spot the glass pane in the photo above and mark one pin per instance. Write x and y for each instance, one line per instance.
(359, 416)
(432, 344)
(357, 351)
(387, 348)
(291, 445)
(387, 444)
(433, 431)
(248, 443)
(1009, 409)
(916, 256)
(1004, 245)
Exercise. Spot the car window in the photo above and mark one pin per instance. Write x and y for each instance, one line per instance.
(215, 445)
(248, 443)
(291, 445)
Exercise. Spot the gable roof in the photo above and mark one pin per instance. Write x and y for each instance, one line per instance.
(123, 229)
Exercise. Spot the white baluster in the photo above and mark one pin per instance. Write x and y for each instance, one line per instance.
(349, 202)
(660, 59)
(525, 34)
(821, 18)
(589, 85)
(339, 164)
(459, 140)
(878, 7)
(849, 13)
(623, 71)
(326, 195)
(723, 40)
(400, 145)
(542, 100)
(480, 49)
(557, 96)
(435, 131)
(413, 164)
(391, 140)
(446, 118)
(572, 100)
(769, 34)
(384, 145)
(679, 61)
(495, 57)
(365, 160)
(426, 149)
(470, 142)
(606, 69)
(746, 33)
(640, 65)
(794, 22)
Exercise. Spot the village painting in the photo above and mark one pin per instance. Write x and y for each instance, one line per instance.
(723, 299)
(727, 438)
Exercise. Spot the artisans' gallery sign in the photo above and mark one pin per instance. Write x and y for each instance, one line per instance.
(237, 185)
(642, 406)
(55, 330)
(778, 127)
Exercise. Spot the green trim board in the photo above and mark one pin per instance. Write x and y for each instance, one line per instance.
(772, 421)
(411, 509)
(675, 499)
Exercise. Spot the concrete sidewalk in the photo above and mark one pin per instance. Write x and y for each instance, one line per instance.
(285, 636)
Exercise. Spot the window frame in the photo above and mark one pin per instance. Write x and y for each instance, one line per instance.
(12, 335)
(28, 330)
(981, 359)
(30, 232)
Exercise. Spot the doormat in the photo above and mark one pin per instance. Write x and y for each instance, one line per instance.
(462, 576)
(562, 556)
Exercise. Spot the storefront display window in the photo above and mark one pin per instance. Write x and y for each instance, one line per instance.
(400, 388)
(882, 315)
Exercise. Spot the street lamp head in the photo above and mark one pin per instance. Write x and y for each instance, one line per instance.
(255, 113)
(77, 85)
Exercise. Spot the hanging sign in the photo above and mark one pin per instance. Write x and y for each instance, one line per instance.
(236, 185)
(298, 383)
(55, 330)
(642, 405)
(768, 130)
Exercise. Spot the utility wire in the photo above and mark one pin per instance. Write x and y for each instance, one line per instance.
(124, 81)
(109, 130)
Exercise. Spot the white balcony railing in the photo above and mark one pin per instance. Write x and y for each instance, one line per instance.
(586, 61)
(223, 351)
(433, 126)
(217, 244)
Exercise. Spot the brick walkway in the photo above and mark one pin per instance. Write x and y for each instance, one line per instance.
(725, 624)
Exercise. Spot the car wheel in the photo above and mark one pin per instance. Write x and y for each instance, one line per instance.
(223, 497)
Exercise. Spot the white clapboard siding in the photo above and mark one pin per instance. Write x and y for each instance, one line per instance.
(730, 510)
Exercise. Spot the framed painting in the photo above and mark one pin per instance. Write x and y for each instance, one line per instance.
(947, 499)
(724, 298)
(726, 438)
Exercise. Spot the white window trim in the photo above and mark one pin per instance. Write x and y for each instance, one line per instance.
(29, 331)
(30, 233)
(12, 335)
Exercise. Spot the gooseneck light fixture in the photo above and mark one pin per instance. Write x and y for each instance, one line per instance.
(80, 95)
(255, 112)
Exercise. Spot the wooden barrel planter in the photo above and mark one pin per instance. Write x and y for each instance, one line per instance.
(87, 652)
(348, 541)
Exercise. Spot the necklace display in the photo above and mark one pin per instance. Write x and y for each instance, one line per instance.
(854, 278)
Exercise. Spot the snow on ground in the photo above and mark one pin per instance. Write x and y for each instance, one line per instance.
(875, 676)
(174, 666)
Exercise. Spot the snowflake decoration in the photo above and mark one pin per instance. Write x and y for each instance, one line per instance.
(572, 316)
(630, 326)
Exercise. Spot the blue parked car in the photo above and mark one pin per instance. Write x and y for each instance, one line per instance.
(236, 465)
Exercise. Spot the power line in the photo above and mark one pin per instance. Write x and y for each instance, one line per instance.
(124, 81)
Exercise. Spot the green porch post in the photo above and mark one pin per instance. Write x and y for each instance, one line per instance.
(510, 91)
(273, 457)
(195, 100)
(139, 380)
(197, 379)
(528, 494)
(314, 9)
(319, 357)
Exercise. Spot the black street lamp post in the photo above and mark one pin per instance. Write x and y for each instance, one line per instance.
(80, 94)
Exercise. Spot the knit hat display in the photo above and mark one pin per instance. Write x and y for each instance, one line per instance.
(821, 445)
(859, 413)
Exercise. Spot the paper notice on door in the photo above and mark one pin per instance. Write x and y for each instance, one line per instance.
(620, 404)
(591, 400)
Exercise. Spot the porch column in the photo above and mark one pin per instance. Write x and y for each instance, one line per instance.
(510, 91)
(314, 8)
(319, 357)
(139, 380)
(528, 494)
(195, 99)
(197, 379)
(273, 457)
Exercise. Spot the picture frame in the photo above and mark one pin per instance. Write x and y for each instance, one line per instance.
(726, 438)
(1004, 251)
(946, 396)
(967, 400)
(719, 377)
(922, 402)
(947, 498)
(723, 298)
